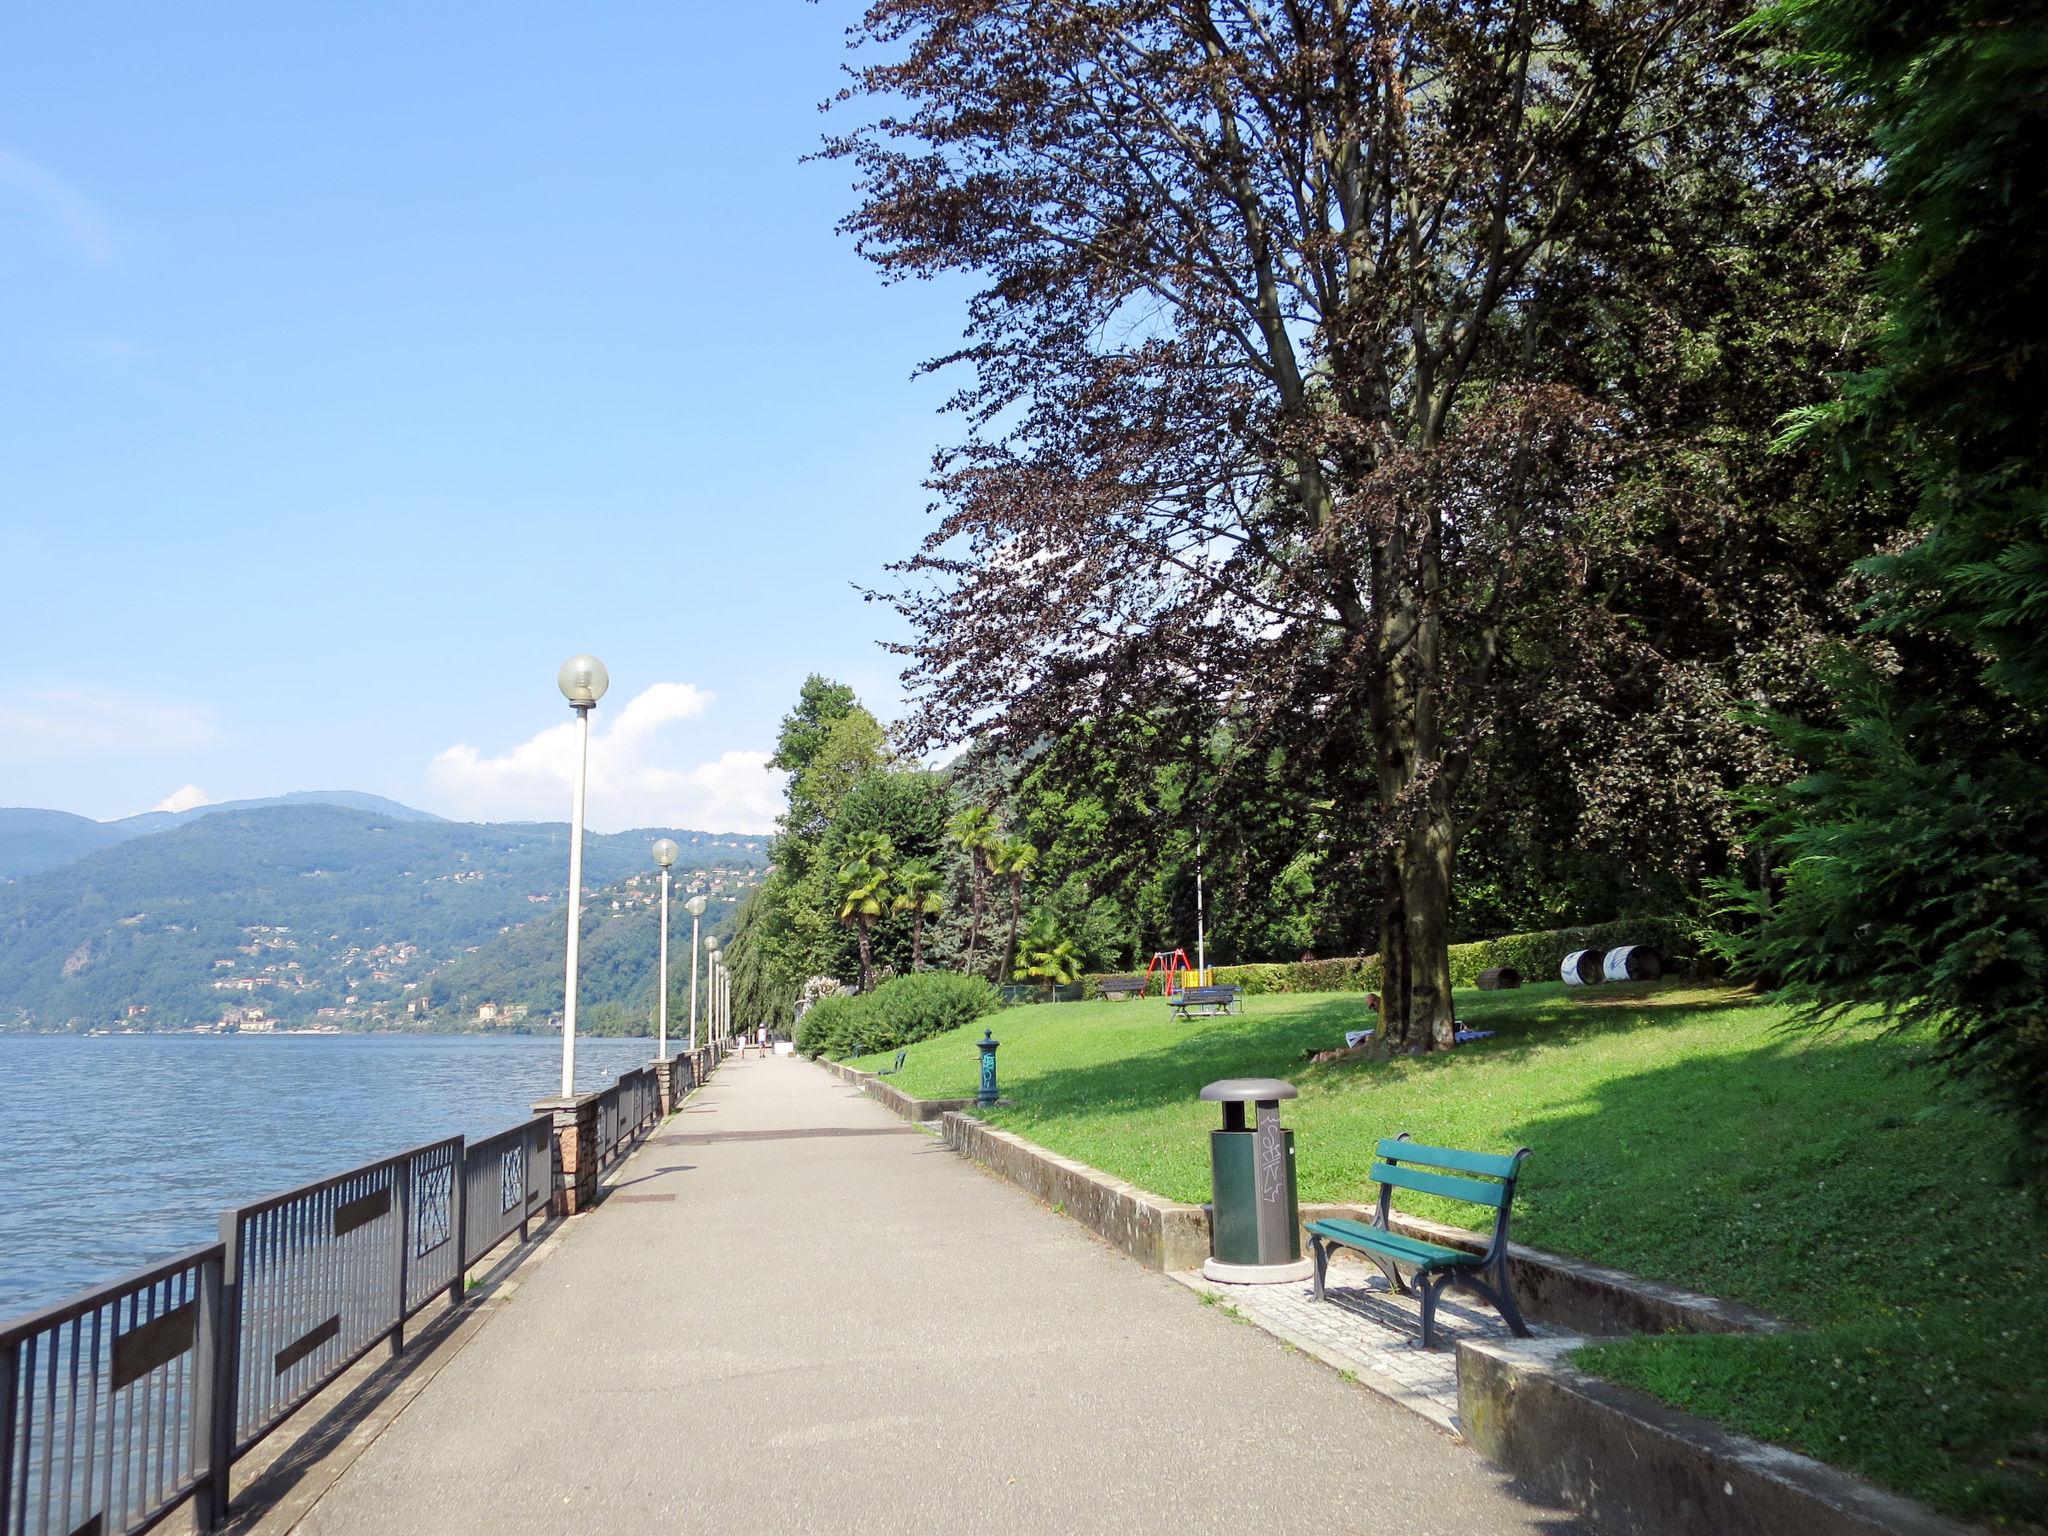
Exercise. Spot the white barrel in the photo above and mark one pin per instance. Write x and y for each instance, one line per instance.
(1633, 962)
(1581, 968)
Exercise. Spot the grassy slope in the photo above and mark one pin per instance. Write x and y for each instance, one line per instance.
(1679, 1133)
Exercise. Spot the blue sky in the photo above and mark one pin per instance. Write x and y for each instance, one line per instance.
(358, 364)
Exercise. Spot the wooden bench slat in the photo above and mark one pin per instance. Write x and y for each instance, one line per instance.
(1409, 1250)
(1492, 1164)
(1473, 1190)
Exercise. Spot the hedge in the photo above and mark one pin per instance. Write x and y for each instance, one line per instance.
(901, 1011)
(1536, 955)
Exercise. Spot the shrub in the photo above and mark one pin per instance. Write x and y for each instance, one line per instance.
(1536, 955)
(899, 1012)
(828, 1026)
(926, 1003)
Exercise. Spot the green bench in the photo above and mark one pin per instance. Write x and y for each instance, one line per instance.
(892, 1070)
(1204, 1002)
(1404, 1164)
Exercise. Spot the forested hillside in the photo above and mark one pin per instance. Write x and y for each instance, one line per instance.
(299, 909)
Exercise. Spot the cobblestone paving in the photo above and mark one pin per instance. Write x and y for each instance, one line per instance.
(1370, 1331)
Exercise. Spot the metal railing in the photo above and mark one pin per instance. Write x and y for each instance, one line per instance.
(105, 1399)
(131, 1398)
(505, 1182)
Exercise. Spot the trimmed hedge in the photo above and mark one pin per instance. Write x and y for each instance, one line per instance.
(899, 1012)
(1536, 955)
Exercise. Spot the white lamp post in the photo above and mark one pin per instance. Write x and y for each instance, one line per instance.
(712, 962)
(583, 681)
(695, 907)
(665, 852)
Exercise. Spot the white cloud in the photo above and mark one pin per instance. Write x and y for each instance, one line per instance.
(633, 778)
(183, 799)
(39, 725)
(53, 199)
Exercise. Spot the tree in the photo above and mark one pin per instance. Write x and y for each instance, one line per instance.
(866, 896)
(917, 893)
(1912, 858)
(974, 830)
(1046, 956)
(1013, 859)
(1300, 373)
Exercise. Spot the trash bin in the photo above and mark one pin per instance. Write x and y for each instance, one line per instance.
(1255, 1215)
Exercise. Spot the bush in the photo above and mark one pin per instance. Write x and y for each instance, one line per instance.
(926, 1003)
(1536, 955)
(899, 1012)
(828, 1025)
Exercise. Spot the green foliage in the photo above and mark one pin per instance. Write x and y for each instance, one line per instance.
(899, 1012)
(1679, 1133)
(1910, 856)
(1044, 955)
(1536, 955)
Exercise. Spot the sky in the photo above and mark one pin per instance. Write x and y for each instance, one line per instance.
(358, 364)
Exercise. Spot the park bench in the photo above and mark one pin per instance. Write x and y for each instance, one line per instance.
(1203, 1002)
(1404, 1164)
(896, 1066)
(1119, 987)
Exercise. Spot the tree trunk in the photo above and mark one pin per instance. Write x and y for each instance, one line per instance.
(1415, 989)
(917, 941)
(1416, 789)
(867, 964)
(1016, 901)
(974, 921)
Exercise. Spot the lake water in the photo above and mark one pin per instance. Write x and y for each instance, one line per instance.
(120, 1150)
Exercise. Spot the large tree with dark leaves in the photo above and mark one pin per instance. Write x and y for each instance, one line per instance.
(1307, 373)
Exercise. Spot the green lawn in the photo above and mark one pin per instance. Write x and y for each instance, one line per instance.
(1679, 1132)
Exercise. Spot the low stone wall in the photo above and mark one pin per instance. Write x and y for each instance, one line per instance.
(1586, 1298)
(1629, 1463)
(892, 1098)
(1160, 1234)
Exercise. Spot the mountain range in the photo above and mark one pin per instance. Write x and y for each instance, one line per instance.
(342, 910)
(31, 840)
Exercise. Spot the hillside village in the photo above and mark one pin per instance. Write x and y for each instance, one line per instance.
(324, 920)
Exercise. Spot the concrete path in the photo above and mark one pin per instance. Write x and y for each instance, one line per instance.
(796, 1313)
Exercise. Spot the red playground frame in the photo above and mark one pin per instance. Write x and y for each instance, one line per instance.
(1175, 961)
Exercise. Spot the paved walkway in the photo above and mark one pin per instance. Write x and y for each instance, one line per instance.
(796, 1313)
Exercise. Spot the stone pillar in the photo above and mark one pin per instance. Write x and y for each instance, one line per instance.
(575, 1123)
(667, 1074)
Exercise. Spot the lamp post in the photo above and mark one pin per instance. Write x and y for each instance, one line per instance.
(695, 907)
(583, 681)
(665, 852)
(712, 962)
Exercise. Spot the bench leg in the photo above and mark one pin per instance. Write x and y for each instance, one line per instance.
(1322, 1258)
(1429, 1294)
(1504, 1299)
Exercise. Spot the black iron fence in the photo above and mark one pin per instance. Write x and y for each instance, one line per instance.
(125, 1402)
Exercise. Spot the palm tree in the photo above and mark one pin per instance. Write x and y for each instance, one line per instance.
(917, 892)
(974, 829)
(864, 880)
(1046, 957)
(1014, 859)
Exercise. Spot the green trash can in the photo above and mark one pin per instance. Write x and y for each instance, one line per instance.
(1255, 1213)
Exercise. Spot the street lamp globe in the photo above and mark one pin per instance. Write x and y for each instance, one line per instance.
(695, 907)
(665, 851)
(583, 680)
(712, 945)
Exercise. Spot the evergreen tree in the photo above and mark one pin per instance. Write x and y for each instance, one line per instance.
(1913, 856)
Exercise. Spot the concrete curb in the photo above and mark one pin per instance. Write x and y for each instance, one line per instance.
(1629, 1463)
(1585, 1298)
(1160, 1234)
(892, 1098)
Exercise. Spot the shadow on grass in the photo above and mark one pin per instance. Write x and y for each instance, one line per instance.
(1262, 1044)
